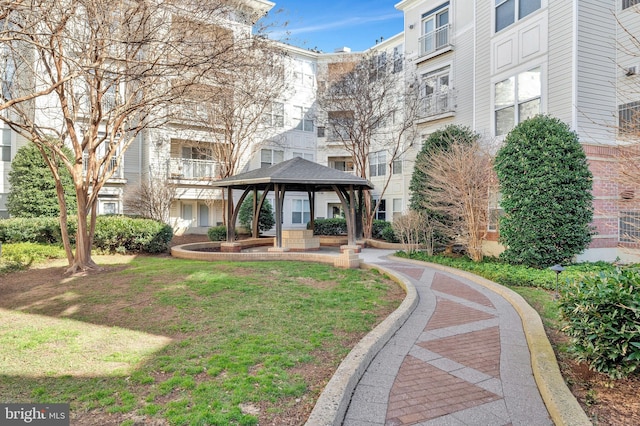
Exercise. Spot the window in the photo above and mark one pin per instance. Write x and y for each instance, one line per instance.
(436, 93)
(629, 118)
(269, 157)
(378, 163)
(396, 166)
(340, 124)
(344, 164)
(435, 29)
(495, 211)
(629, 229)
(7, 73)
(305, 155)
(628, 3)
(398, 53)
(274, 115)
(509, 11)
(5, 145)
(300, 211)
(109, 208)
(381, 213)
(304, 121)
(304, 73)
(516, 99)
(378, 66)
(397, 207)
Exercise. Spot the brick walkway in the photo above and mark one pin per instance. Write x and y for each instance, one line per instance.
(460, 359)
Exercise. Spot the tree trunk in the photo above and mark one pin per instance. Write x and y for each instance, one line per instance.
(82, 260)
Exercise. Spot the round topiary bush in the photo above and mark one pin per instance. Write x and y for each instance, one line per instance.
(546, 193)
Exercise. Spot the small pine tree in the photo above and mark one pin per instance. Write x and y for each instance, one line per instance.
(266, 220)
(546, 193)
(33, 189)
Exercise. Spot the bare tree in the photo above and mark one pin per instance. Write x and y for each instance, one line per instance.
(371, 110)
(102, 72)
(243, 108)
(151, 198)
(415, 229)
(459, 182)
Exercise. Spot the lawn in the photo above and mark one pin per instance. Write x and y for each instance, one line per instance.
(173, 341)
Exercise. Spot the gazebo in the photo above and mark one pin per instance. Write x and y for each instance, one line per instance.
(297, 175)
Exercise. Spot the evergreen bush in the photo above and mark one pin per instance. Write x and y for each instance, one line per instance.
(33, 189)
(603, 316)
(546, 193)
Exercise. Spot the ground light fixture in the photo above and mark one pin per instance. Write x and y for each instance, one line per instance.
(557, 269)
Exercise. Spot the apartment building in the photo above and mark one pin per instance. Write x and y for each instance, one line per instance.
(486, 64)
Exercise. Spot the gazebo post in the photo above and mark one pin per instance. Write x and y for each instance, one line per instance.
(278, 200)
(230, 223)
(312, 212)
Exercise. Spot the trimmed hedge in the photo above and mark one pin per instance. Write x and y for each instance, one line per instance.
(603, 316)
(382, 230)
(333, 226)
(219, 233)
(125, 234)
(113, 233)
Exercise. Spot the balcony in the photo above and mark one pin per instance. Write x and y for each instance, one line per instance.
(438, 103)
(186, 168)
(438, 39)
(111, 165)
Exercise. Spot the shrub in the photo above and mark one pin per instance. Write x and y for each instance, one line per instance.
(125, 234)
(546, 193)
(333, 226)
(603, 315)
(382, 230)
(33, 190)
(113, 233)
(27, 253)
(44, 230)
(218, 233)
(266, 220)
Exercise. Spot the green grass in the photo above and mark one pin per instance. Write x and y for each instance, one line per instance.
(191, 342)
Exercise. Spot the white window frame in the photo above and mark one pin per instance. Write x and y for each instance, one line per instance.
(274, 115)
(518, 99)
(378, 163)
(435, 33)
(269, 157)
(306, 155)
(397, 207)
(396, 166)
(629, 3)
(300, 211)
(381, 212)
(5, 145)
(303, 123)
(398, 58)
(517, 13)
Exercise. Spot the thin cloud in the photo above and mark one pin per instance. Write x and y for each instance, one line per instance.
(349, 22)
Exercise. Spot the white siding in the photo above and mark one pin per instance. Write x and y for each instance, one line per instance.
(596, 71)
(561, 60)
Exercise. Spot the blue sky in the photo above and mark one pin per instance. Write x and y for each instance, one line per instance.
(330, 24)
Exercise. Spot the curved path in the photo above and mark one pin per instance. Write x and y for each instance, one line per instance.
(460, 358)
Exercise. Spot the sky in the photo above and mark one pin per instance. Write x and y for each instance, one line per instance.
(330, 24)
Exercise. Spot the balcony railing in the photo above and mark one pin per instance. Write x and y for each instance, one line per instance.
(438, 103)
(186, 168)
(111, 165)
(435, 40)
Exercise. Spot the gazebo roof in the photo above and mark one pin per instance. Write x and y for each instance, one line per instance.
(297, 174)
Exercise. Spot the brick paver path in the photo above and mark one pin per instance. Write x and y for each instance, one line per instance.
(460, 359)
